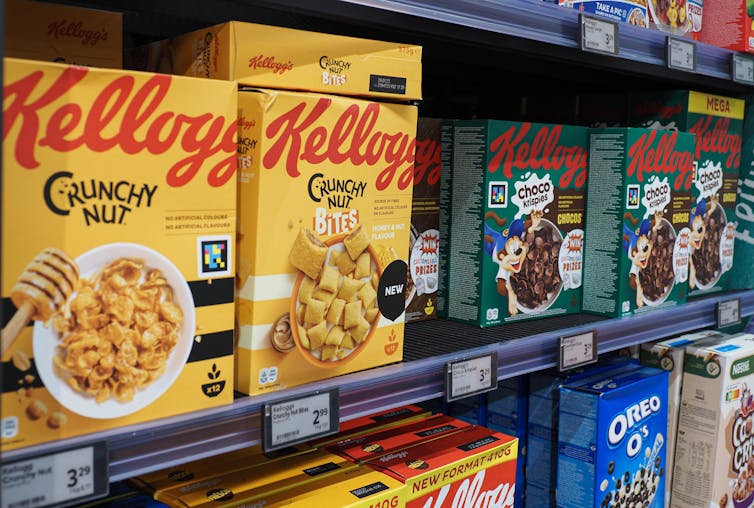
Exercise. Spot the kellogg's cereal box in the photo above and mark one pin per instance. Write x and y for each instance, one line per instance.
(325, 189)
(63, 33)
(285, 58)
(444, 216)
(638, 198)
(611, 440)
(717, 123)
(741, 275)
(473, 467)
(423, 258)
(516, 234)
(729, 24)
(120, 269)
(714, 455)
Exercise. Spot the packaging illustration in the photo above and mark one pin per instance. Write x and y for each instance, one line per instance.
(611, 440)
(284, 58)
(424, 247)
(717, 123)
(121, 292)
(627, 11)
(63, 33)
(638, 207)
(714, 464)
(325, 192)
(516, 237)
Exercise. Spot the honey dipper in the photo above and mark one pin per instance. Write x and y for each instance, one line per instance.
(43, 287)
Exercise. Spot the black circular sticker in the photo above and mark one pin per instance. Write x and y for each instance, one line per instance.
(391, 291)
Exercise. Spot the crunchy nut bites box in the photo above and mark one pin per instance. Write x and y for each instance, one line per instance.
(611, 440)
(517, 227)
(285, 58)
(324, 208)
(63, 33)
(424, 249)
(118, 210)
(637, 212)
(717, 123)
(714, 454)
(473, 467)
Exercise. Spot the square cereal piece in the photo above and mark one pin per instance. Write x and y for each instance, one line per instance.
(301, 313)
(329, 353)
(317, 335)
(344, 262)
(356, 241)
(348, 342)
(363, 266)
(371, 313)
(329, 279)
(367, 295)
(348, 288)
(305, 289)
(335, 313)
(303, 337)
(323, 296)
(315, 312)
(359, 332)
(335, 336)
(308, 253)
(352, 314)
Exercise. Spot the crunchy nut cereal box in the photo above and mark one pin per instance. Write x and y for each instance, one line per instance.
(638, 202)
(717, 123)
(63, 33)
(516, 232)
(714, 454)
(284, 58)
(118, 210)
(473, 467)
(325, 189)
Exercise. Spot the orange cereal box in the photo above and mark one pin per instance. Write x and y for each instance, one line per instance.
(325, 186)
(285, 58)
(118, 231)
(63, 33)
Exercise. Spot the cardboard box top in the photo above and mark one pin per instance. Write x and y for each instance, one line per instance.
(731, 347)
(683, 340)
(614, 382)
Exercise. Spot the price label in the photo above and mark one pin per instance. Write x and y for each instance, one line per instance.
(295, 420)
(598, 35)
(728, 312)
(61, 479)
(470, 376)
(681, 54)
(743, 69)
(577, 350)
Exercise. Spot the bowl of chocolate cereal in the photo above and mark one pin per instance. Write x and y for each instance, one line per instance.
(657, 278)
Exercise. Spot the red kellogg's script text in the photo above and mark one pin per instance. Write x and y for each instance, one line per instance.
(544, 152)
(129, 109)
(647, 157)
(716, 138)
(428, 161)
(301, 135)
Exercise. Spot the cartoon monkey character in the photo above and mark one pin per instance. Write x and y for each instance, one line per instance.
(508, 249)
(698, 224)
(638, 244)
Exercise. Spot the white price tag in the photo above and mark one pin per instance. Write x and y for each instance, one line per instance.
(300, 419)
(58, 479)
(577, 350)
(598, 35)
(728, 312)
(743, 69)
(471, 376)
(681, 54)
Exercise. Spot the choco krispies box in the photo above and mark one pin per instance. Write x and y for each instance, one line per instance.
(638, 201)
(516, 234)
(717, 122)
(118, 231)
(611, 440)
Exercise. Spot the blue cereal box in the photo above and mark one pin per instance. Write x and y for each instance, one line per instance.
(611, 440)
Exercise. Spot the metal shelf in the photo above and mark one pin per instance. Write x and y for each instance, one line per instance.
(522, 347)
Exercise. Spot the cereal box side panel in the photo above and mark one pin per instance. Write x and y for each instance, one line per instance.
(445, 214)
(467, 253)
(328, 274)
(64, 34)
(603, 276)
(730, 27)
(717, 122)
(577, 455)
(103, 199)
(283, 58)
(741, 276)
(634, 13)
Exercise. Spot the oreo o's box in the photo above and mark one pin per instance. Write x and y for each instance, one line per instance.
(611, 440)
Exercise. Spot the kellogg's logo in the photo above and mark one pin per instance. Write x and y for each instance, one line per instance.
(262, 61)
(717, 139)
(428, 161)
(646, 156)
(76, 30)
(124, 115)
(301, 134)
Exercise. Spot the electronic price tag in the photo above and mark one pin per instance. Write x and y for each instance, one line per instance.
(728, 312)
(298, 419)
(598, 35)
(681, 54)
(743, 69)
(470, 376)
(577, 350)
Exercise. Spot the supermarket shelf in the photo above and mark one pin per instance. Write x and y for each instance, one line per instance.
(522, 347)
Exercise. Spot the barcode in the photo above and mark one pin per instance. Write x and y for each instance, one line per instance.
(26, 503)
(464, 388)
(288, 435)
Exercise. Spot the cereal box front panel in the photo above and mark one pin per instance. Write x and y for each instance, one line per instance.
(118, 213)
(325, 200)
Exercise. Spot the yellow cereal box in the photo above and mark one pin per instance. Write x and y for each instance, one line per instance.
(285, 58)
(325, 186)
(63, 33)
(118, 225)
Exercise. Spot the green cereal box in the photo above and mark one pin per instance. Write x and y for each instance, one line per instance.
(516, 234)
(718, 124)
(639, 195)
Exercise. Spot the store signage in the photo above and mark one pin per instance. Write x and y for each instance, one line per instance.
(297, 419)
